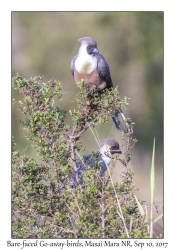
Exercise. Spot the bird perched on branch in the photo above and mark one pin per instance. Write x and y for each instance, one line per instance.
(91, 66)
(107, 151)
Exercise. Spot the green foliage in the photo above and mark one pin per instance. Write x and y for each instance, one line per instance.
(46, 203)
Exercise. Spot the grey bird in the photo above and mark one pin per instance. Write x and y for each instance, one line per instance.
(92, 67)
(107, 151)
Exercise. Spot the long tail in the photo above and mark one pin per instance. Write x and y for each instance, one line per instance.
(120, 122)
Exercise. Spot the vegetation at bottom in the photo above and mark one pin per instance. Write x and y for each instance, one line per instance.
(46, 203)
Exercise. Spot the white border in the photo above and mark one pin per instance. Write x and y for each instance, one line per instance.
(5, 96)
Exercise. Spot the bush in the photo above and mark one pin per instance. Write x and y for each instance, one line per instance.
(45, 201)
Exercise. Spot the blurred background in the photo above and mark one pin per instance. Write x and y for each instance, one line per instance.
(43, 44)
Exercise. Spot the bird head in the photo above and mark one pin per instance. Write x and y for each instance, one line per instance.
(108, 148)
(89, 44)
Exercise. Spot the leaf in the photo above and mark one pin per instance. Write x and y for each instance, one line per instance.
(141, 210)
(160, 216)
(152, 173)
(152, 179)
(106, 102)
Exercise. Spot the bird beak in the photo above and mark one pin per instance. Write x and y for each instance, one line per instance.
(95, 50)
(119, 151)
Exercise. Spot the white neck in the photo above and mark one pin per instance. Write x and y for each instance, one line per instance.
(82, 50)
(85, 63)
(105, 154)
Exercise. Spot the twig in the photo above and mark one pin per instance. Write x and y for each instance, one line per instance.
(118, 203)
(79, 209)
(94, 135)
(146, 211)
(111, 131)
(97, 134)
(85, 128)
(24, 149)
(102, 205)
(130, 226)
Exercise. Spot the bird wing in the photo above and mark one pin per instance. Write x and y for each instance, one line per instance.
(103, 70)
(91, 161)
(72, 64)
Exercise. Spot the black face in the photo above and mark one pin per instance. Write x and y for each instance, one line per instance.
(115, 150)
(91, 49)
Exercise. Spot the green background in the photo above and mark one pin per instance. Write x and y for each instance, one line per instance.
(43, 43)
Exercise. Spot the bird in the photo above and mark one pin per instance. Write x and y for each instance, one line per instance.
(92, 67)
(108, 149)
